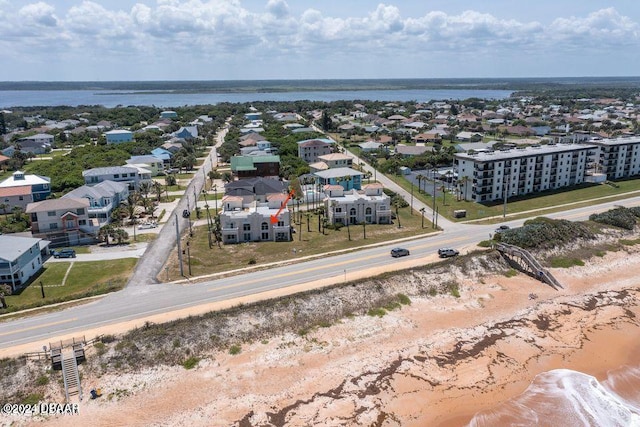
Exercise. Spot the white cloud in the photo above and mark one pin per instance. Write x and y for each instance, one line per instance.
(224, 31)
(38, 14)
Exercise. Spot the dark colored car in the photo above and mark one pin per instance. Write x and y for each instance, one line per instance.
(447, 252)
(502, 228)
(398, 252)
(186, 213)
(64, 253)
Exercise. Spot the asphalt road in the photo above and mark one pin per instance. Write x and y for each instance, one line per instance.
(139, 302)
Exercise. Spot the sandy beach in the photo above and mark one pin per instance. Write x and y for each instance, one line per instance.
(438, 361)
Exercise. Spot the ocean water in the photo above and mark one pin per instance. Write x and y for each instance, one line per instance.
(568, 398)
(167, 99)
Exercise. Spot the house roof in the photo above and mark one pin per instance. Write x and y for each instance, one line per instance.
(57, 204)
(338, 172)
(334, 157)
(370, 144)
(109, 170)
(411, 150)
(146, 159)
(119, 132)
(319, 166)
(21, 190)
(27, 179)
(313, 143)
(11, 247)
(258, 185)
(103, 189)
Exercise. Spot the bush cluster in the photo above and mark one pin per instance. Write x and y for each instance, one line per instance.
(618, 217)
(545, 233)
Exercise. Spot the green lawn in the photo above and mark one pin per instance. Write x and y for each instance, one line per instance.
(84, 279)
(229, 257)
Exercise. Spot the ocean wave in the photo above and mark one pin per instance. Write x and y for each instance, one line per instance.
(564, 397)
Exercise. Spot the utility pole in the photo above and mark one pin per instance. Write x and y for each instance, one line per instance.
(42, 289)
(179, 249)
(189, 257)
(411, 197)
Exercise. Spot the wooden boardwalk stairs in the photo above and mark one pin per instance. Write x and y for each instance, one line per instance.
(70, 375)
(526, 262)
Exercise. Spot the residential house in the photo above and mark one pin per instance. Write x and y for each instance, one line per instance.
(336, 160)
(168, 114)
(118, 136)
(21, 189)
(255, 189)
(150, 162)
(370, 146)
(41, 138)
(103, 198)
(129, 175)
(411, 150)
(369, 205)
(255, 166)
(256, 221)
(162, 154)
(494, 175)
(427, 137)
(186, 132)
(469, 136)
(20, 259)
(347, 178)
(15, 197)
(64, 221)
(310, 149)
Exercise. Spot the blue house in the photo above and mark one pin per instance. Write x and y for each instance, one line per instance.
(20, 259)
(347, 178)
(161, 153)
(119, 135)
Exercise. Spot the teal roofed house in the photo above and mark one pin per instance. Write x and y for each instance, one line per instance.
(255, 166)
(347, 178)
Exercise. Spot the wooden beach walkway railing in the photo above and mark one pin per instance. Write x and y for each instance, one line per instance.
(528, 263)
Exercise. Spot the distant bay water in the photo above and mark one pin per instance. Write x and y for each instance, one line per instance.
(167, 99)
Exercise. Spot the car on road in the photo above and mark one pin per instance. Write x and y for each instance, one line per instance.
(147, 225)
(398, 252)
(186, 213)
(447, 252)
(64, 253)
(502, 228)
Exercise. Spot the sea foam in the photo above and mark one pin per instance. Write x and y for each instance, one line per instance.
(563, 397)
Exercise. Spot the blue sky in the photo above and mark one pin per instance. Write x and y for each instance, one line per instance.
(304, 39)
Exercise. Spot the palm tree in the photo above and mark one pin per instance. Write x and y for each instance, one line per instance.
(157, 188)
(463, 181)
(444, 193)
(420, 179)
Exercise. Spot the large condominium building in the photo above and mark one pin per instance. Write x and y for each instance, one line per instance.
(620, 157)
(492, 175)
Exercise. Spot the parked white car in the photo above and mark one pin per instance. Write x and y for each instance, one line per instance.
(147, 225)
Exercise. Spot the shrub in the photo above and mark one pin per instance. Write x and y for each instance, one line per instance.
(545, 233)
(619, 217)
(566, 262)
(252, 261)
(32, 399)
(379, 312)
(235, 349)
(42, 380)
(191, 362)
(511, 273)
(403, 299)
